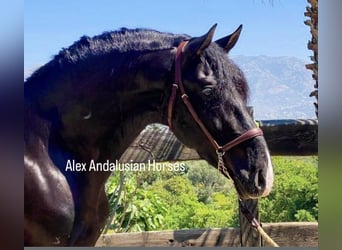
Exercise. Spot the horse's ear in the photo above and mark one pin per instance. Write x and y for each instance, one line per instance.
(228, 42)
(197, 45)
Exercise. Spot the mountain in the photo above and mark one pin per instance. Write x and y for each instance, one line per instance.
(279, 87)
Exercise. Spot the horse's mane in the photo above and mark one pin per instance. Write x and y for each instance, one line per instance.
(125, 40)
(107, 43)
(118, 41)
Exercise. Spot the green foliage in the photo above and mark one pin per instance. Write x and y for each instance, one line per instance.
(186, 209)
(295, 193)
(207, 180)
(304, 215)
(202, 198)
(135, 209)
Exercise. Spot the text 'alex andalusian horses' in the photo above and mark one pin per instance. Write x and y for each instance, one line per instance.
(92, 100)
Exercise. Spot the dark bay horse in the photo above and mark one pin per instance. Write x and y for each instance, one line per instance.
(92, 100)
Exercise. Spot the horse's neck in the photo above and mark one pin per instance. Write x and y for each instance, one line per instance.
(135, 113)
(108, 128)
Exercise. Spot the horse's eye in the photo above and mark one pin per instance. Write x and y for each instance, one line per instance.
(207, 91)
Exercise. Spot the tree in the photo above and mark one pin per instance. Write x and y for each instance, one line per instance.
(312, 13)
(207, 180)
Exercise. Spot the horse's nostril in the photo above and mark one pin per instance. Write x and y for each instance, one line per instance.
(260, 180)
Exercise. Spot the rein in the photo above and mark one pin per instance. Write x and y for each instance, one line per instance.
(220, 150)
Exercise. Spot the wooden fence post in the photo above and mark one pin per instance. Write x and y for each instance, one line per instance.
(249, 237)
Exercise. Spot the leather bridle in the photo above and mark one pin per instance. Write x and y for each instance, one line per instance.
(220, 150)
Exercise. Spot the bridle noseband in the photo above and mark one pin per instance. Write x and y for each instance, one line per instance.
(220, 150)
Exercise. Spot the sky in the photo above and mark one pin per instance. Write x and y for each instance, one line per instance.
(273, 28)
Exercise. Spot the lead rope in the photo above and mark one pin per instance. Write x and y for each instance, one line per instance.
(245, 211)
(256, 225)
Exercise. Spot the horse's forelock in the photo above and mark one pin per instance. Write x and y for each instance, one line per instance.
(227, 72)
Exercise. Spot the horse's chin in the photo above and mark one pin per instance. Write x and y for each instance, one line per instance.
(250, 193)
(251, 196)
(245, 195)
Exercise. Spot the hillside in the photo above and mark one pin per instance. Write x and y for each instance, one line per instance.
(280, 86)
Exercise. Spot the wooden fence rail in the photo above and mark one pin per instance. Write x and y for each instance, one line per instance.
(291, 137)
(284, 137)
(294, 234)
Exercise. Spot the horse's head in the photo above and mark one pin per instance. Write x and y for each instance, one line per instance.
(218, 91)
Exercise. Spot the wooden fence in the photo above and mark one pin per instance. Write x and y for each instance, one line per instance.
(293, 234)
(284, 137)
